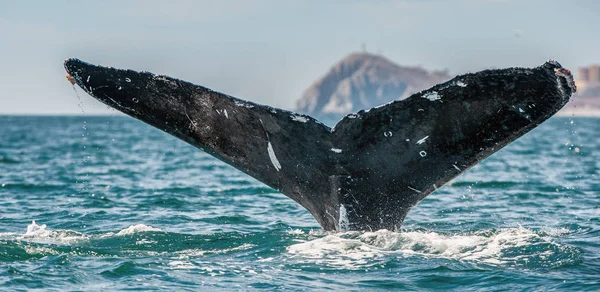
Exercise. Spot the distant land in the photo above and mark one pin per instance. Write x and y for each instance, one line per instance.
(364, 80)
(587, 99)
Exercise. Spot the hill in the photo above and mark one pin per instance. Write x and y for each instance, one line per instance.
(362, 81)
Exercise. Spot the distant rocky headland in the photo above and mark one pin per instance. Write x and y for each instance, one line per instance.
(364, 80)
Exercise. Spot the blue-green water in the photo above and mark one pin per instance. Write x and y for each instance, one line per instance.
(119, 205)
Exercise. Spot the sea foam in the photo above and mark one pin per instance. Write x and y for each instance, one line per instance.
(354, 249)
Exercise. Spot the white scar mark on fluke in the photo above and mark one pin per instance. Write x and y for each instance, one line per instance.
(194, 124)
(336, 150)
(343, 222)
(272, 156)
(88, 79)
(223, 112)
(327, 212)
(415, 190)
(299, 118)
(422, 140)
(270, 150)
(243, 104)
(432, 96)
(461, 84)
(457, 168)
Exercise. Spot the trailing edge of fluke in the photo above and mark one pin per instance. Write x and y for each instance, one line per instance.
(374, 165)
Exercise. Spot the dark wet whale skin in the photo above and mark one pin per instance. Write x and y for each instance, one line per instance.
(373, 166)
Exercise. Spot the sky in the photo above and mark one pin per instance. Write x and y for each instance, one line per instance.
(270, 51)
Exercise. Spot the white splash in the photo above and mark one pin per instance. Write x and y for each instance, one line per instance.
(299, 118)
(34, 230)
(196, 252)
(295, 232)
(40, 234)
(422, 140)
(182, 265)
(357, 250)
(272, 156)
(432, 96)
(137, 228)
(336, 150)
(225, 112)
(343, 221)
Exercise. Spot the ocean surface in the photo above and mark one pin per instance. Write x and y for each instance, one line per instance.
(109, 203)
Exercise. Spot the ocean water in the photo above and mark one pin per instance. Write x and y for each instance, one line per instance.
(109, 203)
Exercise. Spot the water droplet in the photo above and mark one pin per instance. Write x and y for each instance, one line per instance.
(387, 134)
(135, 100)
(423, 153)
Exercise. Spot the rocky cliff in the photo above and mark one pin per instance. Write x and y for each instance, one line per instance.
(362, 81)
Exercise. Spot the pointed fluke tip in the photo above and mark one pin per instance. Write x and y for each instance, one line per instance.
(560, 71)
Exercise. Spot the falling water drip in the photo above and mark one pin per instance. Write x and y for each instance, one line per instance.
(86, 158)
(80, 102)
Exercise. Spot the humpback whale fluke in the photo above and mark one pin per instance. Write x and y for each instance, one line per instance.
(374, 165)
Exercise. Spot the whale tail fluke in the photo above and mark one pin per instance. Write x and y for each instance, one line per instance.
(373, 166)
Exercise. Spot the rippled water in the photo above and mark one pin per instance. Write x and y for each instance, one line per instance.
(120, 205)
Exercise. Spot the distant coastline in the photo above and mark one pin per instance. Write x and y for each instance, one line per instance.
(586, 101)
(364, 80)
(581, 107)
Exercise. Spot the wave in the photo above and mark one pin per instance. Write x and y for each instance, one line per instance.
(8, 160)
(41, 234)
(510, 247)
